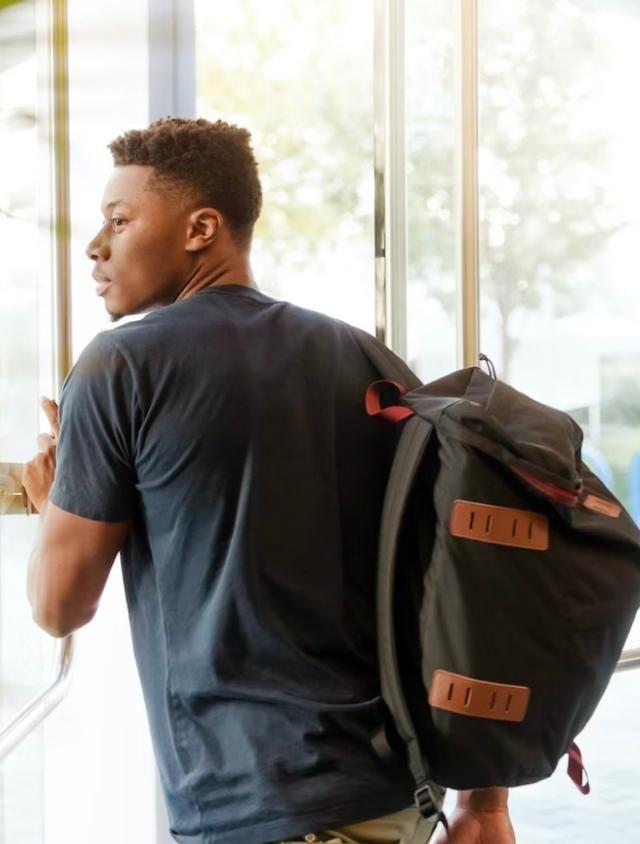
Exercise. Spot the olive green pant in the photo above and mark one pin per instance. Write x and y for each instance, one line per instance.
(406, 827)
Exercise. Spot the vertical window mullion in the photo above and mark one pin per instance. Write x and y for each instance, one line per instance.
(390, 175)
(467, 184)
(61, 240)
(172, 59)
(379, 167)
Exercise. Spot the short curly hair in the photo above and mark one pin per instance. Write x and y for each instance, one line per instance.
(215, 161)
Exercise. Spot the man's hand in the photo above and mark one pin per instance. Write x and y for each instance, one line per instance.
(38, 474)
(481, 817)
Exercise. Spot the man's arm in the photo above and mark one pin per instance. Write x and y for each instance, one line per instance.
(73, 555)
(69, 567)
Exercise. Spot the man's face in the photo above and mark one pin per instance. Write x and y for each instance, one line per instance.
(139, 254)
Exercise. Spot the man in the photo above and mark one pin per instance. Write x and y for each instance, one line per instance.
(220, 444)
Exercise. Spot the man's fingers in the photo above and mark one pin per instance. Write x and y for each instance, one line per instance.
(50, 408)
(46, 441)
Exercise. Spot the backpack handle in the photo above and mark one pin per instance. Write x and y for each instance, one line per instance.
(373, 401)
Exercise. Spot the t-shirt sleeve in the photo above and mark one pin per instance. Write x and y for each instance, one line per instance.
(95, 473)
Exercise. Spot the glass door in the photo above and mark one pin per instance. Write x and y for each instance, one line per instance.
(559, 131)
(26, 367)
(310, 112)
(559, 221)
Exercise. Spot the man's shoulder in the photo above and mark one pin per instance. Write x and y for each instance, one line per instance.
(179, 325)
(181, 316)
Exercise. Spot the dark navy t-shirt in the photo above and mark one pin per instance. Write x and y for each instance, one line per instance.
(230, 429)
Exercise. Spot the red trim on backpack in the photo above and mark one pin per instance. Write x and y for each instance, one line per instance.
(576, 769)
(395, 412)
(550, 490)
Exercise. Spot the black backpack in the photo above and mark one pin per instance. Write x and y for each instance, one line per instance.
(508, 580)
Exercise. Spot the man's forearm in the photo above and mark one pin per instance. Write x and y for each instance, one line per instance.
(32, 570)
(484, 798)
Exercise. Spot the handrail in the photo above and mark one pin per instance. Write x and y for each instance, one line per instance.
(43, 703)
(629, 659)
(13, 496)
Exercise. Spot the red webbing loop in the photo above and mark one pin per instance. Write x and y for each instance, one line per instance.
(555, 493)
(373, 404)
(576, 769)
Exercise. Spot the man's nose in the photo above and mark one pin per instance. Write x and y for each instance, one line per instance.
(98, 248)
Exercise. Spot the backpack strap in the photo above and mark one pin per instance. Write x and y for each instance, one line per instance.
(409, 453)
(388, 364)
(411, 447)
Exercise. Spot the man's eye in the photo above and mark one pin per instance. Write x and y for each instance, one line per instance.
(117, 223)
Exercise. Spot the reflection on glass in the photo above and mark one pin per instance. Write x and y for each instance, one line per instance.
(299, 77)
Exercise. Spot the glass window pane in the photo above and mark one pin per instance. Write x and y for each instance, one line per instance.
(22, 793)
(554, 810)
(430, 144)
(25, 652)
(560, 218)
(559, 226)
(299, 77)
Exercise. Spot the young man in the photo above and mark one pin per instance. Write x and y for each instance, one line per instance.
(220, 445)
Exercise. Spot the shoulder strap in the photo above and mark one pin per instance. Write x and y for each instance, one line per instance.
(410, 450)
(409, 453)
(388, 364)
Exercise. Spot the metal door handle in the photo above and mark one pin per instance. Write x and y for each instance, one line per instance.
(14, 500)
(629, 659)
(39, 707)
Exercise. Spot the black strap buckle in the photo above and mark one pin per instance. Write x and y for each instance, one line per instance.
(424, 798)
(429, 800)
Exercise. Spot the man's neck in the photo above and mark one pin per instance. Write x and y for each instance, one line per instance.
(235, 271)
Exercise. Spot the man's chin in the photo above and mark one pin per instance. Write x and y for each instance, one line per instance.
(133, 307)
(142, 308)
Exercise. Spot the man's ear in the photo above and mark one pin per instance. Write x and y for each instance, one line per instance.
(203, 227)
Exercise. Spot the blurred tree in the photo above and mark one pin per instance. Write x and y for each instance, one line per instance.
(278, 68)
(620, 399)
(544, 216)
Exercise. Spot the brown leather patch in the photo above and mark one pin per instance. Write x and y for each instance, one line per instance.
(601, 505)
(478, 698)
(499, 525)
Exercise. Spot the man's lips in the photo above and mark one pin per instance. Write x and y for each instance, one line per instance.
(102, 282)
